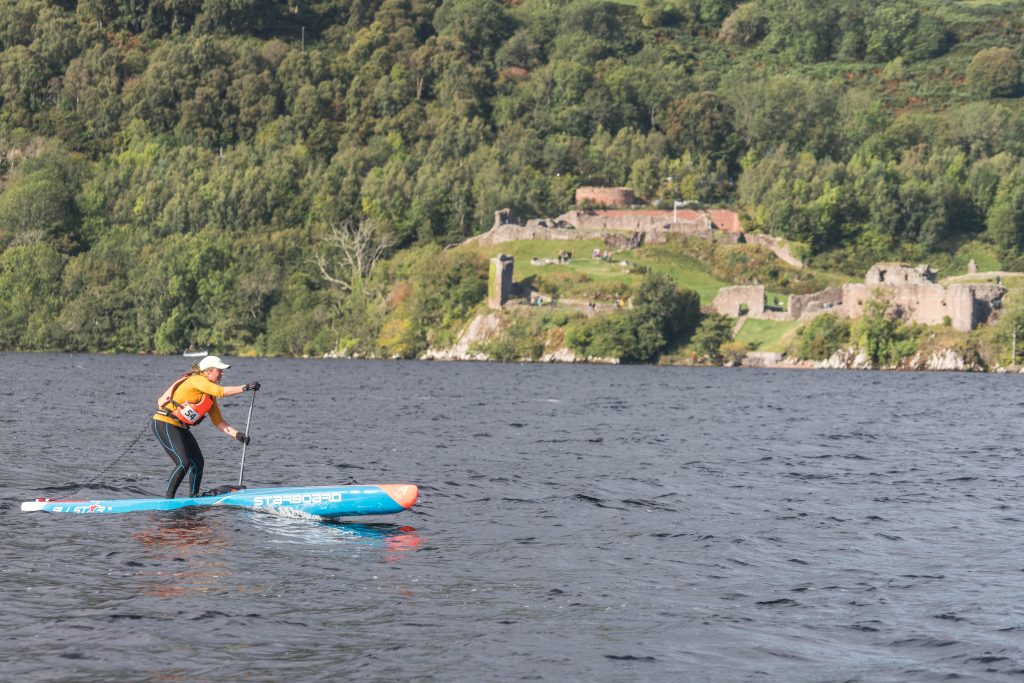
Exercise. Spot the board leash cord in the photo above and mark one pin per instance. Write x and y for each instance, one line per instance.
(131, 444)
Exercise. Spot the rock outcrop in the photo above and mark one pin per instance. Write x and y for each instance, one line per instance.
(939, 360)
(481, 329)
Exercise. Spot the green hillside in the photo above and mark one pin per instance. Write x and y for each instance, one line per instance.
(264, 177)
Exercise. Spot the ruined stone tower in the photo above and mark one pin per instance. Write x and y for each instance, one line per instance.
(499, 282)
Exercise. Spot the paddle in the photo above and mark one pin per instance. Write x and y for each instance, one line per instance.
(245, 443)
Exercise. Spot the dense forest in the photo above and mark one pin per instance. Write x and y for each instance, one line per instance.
(261, 176)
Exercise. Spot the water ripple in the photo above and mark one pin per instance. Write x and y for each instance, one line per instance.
(580, 523)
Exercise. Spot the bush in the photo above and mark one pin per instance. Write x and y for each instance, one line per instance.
(746, 25)
(995, 72)
(673, 311)
(885, 340)
(1009, 336)
(444, 288)
(714, 331)
(603, 336)
(522, 339)
(823, 336)
(734, 352)
(663, 316)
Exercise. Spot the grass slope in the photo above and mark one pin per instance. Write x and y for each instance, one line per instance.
(768, 335)
(585, 277)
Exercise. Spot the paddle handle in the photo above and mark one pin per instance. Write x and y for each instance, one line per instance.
(241, 469)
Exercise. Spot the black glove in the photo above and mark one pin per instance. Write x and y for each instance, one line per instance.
(252, 386)
(243, 437)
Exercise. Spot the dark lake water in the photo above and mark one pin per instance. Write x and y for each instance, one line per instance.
(575, 523)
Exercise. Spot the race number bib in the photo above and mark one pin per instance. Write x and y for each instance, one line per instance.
(189, 413)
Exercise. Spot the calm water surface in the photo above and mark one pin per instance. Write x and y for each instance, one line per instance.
(575, 523)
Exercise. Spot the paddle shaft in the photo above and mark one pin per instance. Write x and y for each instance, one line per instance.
(241, 470)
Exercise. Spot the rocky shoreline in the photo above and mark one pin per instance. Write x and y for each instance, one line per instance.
(487, 326)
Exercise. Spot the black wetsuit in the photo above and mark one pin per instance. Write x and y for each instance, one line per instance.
(184, 450)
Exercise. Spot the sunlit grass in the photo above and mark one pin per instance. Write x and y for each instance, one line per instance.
(984, 255)
(585, 276)
(581, 267)
(686, 271)
(768, 335)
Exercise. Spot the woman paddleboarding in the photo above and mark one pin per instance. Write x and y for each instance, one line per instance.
(185, 404)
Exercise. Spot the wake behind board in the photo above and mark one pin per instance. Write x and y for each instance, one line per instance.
(321, 501)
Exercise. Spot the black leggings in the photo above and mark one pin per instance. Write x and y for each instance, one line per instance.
(184, 450)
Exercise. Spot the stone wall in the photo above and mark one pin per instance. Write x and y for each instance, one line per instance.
(898, 274)
(511, 233)
(618, 229)
(731, 301)
(721, 221)
(806, 306)
(959, 306)
(926, 303)
(636, 220)
(855, 295)
(605, 196)
(987, 298)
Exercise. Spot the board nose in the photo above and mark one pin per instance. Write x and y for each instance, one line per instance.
(403, 494)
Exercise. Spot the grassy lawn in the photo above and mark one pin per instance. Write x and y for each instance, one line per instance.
(526, 250)
(768, 335)
(590, 278)
(984, 257)
(1013, 282)
(686, 271)
(583, 277)
(582, 269)
(772, 297)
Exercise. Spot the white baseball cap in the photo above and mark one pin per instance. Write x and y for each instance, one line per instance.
(212, 362)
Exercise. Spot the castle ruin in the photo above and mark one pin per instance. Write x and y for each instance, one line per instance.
(914, 296)
(741, 300)
(499, 282)
(605, 196)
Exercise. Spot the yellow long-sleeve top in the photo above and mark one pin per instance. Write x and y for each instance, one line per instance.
(192, 390)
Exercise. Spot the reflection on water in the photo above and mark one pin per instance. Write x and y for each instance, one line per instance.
(182, 533)
(395, 540)
(185, 537)
(197, 543)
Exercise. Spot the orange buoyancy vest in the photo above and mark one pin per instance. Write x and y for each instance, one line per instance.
(191, 413)
(187, 413)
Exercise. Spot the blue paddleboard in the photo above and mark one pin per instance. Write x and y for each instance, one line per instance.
(321, 501)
